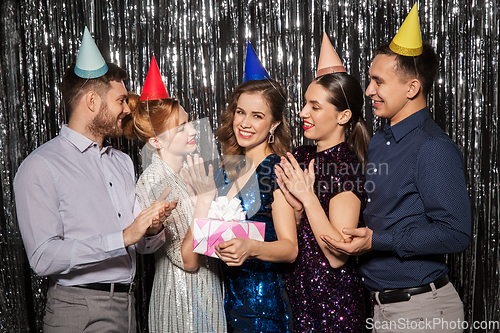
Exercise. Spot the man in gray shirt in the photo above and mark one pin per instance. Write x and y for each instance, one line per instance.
(79, 218)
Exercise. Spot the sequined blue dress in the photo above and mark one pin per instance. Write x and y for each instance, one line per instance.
(323, 298)
(256, 299)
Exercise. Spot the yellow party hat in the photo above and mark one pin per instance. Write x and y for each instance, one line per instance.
(408, 41)
(329, 61)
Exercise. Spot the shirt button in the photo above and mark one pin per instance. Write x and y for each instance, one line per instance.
(369, 200)
(363, 279)
(111, 184)
(388, 143)
(119, 215)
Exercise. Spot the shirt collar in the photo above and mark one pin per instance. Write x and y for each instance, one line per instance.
(81, 142)
(408, 124)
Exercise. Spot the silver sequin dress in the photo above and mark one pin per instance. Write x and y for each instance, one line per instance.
(181, 301)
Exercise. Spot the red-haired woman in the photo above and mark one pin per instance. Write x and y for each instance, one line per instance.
(187, 287)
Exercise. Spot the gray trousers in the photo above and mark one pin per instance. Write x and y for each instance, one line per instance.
(74, 309)
(439, 310)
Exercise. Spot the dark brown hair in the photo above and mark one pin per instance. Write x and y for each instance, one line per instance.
(144, 124)
(275, 98)
(424, 67)
(73, 86)
(345, 93)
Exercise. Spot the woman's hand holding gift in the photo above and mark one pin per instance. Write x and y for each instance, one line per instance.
(235, 251)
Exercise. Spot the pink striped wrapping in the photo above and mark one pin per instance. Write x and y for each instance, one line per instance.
(207, 233)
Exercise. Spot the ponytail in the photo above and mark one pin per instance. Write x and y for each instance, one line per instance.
(146, 119)
(128, 122)
(358, 140)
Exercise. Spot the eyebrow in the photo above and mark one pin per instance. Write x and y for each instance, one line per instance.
(254, 112)
(312, 102)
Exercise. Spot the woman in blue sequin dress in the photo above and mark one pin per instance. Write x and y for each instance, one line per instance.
(325, 290)
(253, 133)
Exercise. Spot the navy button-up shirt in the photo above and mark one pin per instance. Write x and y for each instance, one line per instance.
(418, 206)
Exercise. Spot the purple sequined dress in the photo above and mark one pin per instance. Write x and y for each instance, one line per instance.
(326, 299)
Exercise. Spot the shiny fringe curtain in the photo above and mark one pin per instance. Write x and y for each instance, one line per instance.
(200, 47)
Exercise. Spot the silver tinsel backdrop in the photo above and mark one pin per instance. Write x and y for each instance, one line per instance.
(200, 47)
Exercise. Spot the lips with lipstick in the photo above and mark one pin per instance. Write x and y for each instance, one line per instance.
(245, 134)
(307, 125)
(192, 141)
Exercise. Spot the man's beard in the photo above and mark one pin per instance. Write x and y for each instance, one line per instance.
(104, 125)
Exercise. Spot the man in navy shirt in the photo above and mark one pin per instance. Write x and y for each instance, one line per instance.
(418, 207)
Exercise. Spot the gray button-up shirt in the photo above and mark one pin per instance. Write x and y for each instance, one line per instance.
(73, 202)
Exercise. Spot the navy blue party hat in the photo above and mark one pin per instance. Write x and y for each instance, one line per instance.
(253, 67)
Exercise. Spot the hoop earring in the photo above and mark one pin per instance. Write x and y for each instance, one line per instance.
(271, 137)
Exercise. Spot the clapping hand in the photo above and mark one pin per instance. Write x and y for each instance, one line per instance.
(158, 221)
(295, 183)
(198, 181)
(150, 220)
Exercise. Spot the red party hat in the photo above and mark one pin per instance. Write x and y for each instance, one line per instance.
(153, 87)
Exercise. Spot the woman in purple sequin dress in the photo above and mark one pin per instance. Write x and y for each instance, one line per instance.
(325, 291)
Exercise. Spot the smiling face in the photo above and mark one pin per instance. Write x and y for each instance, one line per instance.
(387, 89)
(252, 122)
(179, 140)
(321, 118)
(112, 109)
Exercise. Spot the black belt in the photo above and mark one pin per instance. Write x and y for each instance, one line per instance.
(118, 287)
(403, 295)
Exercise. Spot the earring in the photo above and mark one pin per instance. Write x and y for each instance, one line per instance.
(271, 137)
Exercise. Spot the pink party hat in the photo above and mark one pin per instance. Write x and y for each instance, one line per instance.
(329, 61)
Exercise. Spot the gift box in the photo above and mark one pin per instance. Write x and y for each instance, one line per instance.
(225, 221)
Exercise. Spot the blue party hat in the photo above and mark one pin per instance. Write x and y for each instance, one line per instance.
(253, 67)
(90, 64)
